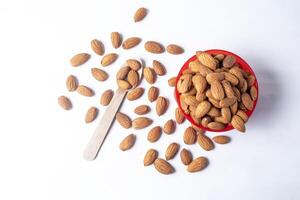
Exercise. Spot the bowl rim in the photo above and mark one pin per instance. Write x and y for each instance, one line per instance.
(243, 64)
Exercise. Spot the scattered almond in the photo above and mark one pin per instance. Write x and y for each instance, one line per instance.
(150, 157)
(179, 116)
(131, 42)
(172, 81)
(158, 68)
(116, 39)
(154, 47)
(169, 127)
(122, 73)
(79, 59)
(161, 105)
(108, 59)
(97, 47)
(91, 114)
(133, 78)
(172, 150)
(163, 166)
(134, 64)
(221, 139)
(149, 75)
(135, 93)
(106, 97)
(142, 110)
(153, 93)
(123, 120)
(127, 142)
(140, 14)
(85, 91)
(71, 83)
(124, 84)
(205, 142)
(99, 74)
(197, 164)
(174, 49)
(64, 102)
(141, 122)
(186, 156)
(154, 134)
(189, 135)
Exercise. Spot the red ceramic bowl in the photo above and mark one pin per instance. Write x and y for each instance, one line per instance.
(242, 64)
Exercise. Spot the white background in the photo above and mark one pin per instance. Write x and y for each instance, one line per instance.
(41, 145)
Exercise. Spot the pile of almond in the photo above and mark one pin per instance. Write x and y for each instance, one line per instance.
(216, 92)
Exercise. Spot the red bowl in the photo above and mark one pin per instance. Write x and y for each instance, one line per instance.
(242, 64)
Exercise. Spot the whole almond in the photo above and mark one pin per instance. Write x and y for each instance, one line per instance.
(99, 74)
(127, 142)
(238, 123)
(247, 101)
(133, 78)
(184, 84)
(141, 122)
(205, 142)
(154, 47)
(106, 97)
(234, 108)
(231, 78)
(219, 57)
(196, 66)
(237, 93)
(226, 102)
(163, 166)
(253, 93)
(250, 80)
(158, 68)
(179, 116)
(150, 157)
(197, 164)
(206, 59)
(91, 114)
(153, 93)
(123, 120)
(174, 49)
(124, 84)
(169, 127)
(140, 14)
(202, 109)
(198, 129)
(199, 82)
(64, 102)
(243, 115)
(229, 61)
(221, 139)
(228, 89)
(154, 134)
(142, 110)
(186, 156)
(122, 73)
(216, 126)
(85, 91)
(205, 121)
(161, 105)
(149, 75)
(133, 64)
(135, 93)
(189, 135)
(79, 59)
(236, 71)
(116, 39)
(71, 83)
(172, 81)
(108, 59)
(97, 47)
(217, 90)
(131, 42)
(172, 150)
(215, 77)
(191, 100)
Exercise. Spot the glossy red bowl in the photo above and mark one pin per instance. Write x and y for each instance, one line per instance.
(242, 64)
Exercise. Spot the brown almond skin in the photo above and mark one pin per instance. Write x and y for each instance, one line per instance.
(91, 114)
(172, 81)
(229, 61)
(186, 156)
(190, 135)
(71, 83)
(79, 59)
(140, 14)
(122, 73)
(174, 49)
(197, 164)
(238, 123)
(128, 142)
(154, 134)
(149, 75)
(142, 110)
(217, 90)
(169, 127)
(134, 64)
(108, 59)
(150, 157)
(153, 93)
(221, 139)
(154, 47)
(116, 39)
(179, 116)
(247, 101)
(99, 74)
(135, 93)
(206, 59)
(243, 115)
(131, 42)
(133, 78)
(85, 91)
(64, 102)
(97, 46)
(106, 97)
(253, 93)
(163, 166)
(124, 84)
(216, 126)
(141, 122)
(161, 105)
(172, 150)
(159, 68)
(205, 142)
(123, 120)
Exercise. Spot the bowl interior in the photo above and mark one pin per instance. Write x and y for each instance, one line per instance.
(242, 64)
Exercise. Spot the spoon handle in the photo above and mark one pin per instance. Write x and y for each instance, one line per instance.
(96, 141)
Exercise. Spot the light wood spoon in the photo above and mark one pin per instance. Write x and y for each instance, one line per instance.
(96, 141)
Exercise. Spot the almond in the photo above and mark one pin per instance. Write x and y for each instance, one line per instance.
(154, 134)
(71, 83)
(189, 135)
(127, 142)
(141, 122)
(217, 90)
(191, 100)
(124, 84)
(171, 151)
(174, 49)
(116, 39)
(205, 142)
(150, 157)
(221, 139)
(122, 73)
(99, 74)
(247, 101)
(250, 80)
(206, 59)
(131, 42)
(219, 57)
(217, 126)
(79, 59)
(133, 78)
(196, 66)
(199, 82)
(172, 81)
(142, 110)
(215, 77)
(135, 93)
(202, 109)
(205, 121)
(226, 102)
(91, 114)
(169, 127)
(149, 75)
(163, 166)
(229, 61)
(154, 47)
(253, 93)
(158, 68)
(197, 164)
(179, 116)
(97, 47)
(161, 105)
(236, 71)
(186, 156)
(234, 108)
(153, 93)
(85, 91)
(231, 78)
(133, 64)
(140, 14)
(106, 97)
(238, 123)
(184, 83)
(243, 115)
(64, 102)
(108, 59)
(228, 89)
(123, 120)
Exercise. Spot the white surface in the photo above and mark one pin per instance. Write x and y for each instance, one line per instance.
(41, 145)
